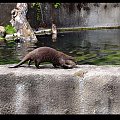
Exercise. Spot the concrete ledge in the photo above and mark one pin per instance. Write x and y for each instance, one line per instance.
(87, 89)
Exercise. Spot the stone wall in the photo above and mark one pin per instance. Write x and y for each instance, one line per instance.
(81, 14)
(5, 14)
(68, 14)
(87, 89)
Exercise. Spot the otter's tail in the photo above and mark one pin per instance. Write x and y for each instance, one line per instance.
(20, 63)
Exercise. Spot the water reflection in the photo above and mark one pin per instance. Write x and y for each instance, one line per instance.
(54, 37)
(89, 46)
(12, 52)
(23, 48)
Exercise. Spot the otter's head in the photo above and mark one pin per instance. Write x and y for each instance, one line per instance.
(66, 57)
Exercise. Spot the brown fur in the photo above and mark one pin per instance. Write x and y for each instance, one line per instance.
(47, 54)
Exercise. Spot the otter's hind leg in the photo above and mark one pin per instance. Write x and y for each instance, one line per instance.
(37, 63)
(29, 62)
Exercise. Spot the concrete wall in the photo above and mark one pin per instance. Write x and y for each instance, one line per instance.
(68, 14)
(87, 89)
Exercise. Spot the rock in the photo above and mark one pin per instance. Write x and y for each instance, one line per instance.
(19, 21)
(2, 31)
(54, 32)
(87, 89)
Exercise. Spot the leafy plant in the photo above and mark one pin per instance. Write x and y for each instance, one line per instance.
(35, 5)
(10, 29)
(38, 7)
(56, 5)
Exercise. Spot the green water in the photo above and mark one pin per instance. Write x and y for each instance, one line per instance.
(94, 47)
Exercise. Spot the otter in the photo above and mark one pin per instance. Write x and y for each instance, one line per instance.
(48, 54)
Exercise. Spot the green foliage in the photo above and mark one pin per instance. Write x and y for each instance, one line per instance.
(10, 29)
(37, 6)
(56, 5)
(1, 38)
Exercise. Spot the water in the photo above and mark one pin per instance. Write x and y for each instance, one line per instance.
(97, 47)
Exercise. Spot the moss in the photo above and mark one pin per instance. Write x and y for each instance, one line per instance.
(106, 57)
(90, 55)
(79, 53)
(111, 58)
(38, 9)
(78, 29)
(84, 57)
(2, 39)
(73, 51)
(98, 61)
(11, 61)
(56, 5)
